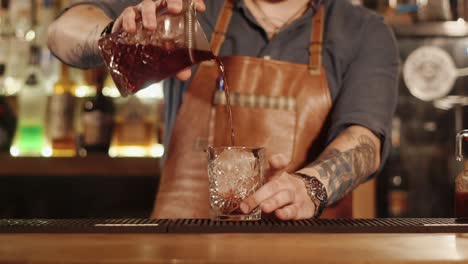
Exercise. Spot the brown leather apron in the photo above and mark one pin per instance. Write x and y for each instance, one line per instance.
(278, 105)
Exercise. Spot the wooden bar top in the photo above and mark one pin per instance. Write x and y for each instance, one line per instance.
(233, 248)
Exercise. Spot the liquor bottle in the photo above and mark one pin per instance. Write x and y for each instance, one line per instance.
(61, 123)
(7, 120)
(7, 123)
(397, 188)
(17, 60)
(4, 49)
(7, 33)
(22, 11)
(109, 88)
(397, 178)
(50, 65)
(30, 138)
(96, 121)
(135, 132)
(85, 82)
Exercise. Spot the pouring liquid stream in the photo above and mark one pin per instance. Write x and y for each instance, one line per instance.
(222, 72)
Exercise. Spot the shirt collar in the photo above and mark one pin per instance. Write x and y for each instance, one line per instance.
(314, 4)
(241, 6)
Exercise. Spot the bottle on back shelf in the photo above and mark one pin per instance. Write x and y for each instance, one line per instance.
(7, 123)
(393, 181)
(61, 125)
(17, 60)
(97, 122)
(30, 138)
(7, 33)
(397, 188)
(50, 65)
(85, 81)
(397, 178)
(134, 132)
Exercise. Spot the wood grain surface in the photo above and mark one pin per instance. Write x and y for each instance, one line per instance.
(233, 248)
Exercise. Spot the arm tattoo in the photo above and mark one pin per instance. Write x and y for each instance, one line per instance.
(344, 171)
(86, 54)
(349, 135)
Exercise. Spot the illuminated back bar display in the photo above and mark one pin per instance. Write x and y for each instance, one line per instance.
(388, 225)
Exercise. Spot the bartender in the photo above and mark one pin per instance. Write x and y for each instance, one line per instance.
(337, 63)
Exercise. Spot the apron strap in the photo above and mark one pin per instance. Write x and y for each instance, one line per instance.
(316, 42)
(222, 24)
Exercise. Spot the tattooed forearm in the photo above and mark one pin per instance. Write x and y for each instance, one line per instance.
(344, 171)
(86, 54)
(349, 135)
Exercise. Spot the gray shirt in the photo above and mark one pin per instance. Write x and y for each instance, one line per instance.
(360, 57)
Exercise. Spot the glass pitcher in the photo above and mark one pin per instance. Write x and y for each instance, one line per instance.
(136, 60)
(461, 180)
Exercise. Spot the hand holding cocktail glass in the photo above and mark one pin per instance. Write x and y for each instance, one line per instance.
(283, 194)
(234, 198)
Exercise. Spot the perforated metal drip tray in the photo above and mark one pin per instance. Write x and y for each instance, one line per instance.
(390, 225)
(83, 226)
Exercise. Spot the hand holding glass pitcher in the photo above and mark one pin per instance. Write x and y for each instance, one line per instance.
(461, 180)
(152, 41)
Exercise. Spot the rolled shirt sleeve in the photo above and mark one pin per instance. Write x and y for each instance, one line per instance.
(369, 91)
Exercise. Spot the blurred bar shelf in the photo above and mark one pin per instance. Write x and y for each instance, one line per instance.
(92, 165)
(434, 29)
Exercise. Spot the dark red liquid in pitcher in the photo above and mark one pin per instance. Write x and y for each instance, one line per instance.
(135, 66)
(461, 204)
